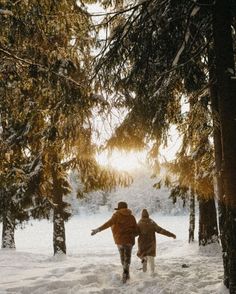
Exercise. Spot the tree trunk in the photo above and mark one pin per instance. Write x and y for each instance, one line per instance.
(218, 162)
(226, 89)
(191, 216)
(59, 237)
(208, 232)
(8, 230)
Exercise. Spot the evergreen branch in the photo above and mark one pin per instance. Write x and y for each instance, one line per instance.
(173, 68)
(129, 23)
(204, 4)
(118, 12)
(193, 12)
(6, 12)
(15, 3)
(43, 68)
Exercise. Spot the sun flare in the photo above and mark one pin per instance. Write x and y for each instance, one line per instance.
(123, 161)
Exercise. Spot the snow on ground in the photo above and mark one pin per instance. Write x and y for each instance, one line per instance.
(92, 264)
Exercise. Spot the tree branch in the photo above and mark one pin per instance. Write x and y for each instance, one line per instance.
(194, 11)
(43, 68)
(6, 12)
(117, 12)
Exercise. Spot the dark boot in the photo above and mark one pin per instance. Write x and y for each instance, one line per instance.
(125, 276)
(144, 262)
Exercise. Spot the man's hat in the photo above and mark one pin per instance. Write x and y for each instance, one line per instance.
(121, 205)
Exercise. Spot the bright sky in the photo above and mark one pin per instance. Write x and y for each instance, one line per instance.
(120, 160)
(130, 161)
(174, 144)
(123, 161)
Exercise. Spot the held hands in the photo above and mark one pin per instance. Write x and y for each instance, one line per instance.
(94, 232)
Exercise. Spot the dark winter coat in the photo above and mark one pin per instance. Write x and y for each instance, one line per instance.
(147, 238)
(123, 225)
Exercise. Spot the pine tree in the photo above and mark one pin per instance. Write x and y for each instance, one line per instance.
(144, 44)
(142, 39)
(218, 158)
(44, 89)
(223, 14)
(46, 107)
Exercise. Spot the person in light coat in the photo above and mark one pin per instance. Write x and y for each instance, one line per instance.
(124, 229)
(147, 230)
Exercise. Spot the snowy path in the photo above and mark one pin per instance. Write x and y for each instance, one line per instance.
(92, 264)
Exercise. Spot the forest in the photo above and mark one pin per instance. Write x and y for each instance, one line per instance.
(63, 65)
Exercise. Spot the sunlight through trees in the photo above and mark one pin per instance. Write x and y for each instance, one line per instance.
(165, 66)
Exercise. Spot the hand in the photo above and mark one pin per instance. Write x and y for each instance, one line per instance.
(94, 232)
(174, 236)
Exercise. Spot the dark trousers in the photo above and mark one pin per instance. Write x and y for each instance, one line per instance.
(125, 255)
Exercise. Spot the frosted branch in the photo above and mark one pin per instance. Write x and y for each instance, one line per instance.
(186, 38)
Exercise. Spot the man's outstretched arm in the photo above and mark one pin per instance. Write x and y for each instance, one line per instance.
(105, 226)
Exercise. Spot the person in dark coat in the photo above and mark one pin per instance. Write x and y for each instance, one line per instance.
(124, 229)
(147, 240)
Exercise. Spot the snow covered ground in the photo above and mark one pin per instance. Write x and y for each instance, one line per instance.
(92, 264)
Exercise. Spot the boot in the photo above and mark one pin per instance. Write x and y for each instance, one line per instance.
(125, 276)
(144, 262)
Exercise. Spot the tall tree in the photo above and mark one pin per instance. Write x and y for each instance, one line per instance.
(144, 45)
(46, 106)
(226, 89)
(208, 232)
(189, 25)
(218, 158)
(191, 216)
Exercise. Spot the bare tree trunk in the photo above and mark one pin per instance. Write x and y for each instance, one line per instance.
(208, 232)
(8, 230)
(218, 162)
(191, 216)
(59, 237)
(226, 89)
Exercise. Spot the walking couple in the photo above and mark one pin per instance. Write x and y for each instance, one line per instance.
(125, 228)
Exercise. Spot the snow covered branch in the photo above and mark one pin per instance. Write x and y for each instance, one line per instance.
(186, 37)
(120, 11)
(42, 68)
(6, 12)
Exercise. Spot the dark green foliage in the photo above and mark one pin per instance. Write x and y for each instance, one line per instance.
(178, 191)
(45, 107)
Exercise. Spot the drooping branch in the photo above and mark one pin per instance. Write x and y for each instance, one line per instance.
(120, 11)
(42, 67)
(6, 12)
(186, 36)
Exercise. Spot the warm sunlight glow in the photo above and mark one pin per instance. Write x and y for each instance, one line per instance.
(174, 142)
(132, 161)
(123, 161)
